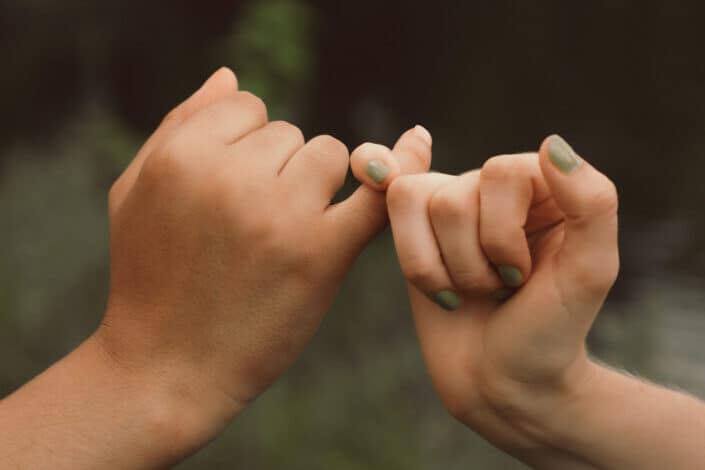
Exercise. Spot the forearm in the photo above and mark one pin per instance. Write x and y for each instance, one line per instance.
(87, 412)
(617, 421)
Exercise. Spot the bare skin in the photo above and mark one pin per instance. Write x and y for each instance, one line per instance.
(226, 253)
(524, 251)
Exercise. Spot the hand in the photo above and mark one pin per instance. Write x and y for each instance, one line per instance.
(507, 268)
(226, 251)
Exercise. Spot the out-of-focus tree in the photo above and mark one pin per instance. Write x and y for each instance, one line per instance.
(272, 48)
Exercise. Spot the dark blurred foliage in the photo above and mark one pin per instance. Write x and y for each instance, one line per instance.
(83, 83)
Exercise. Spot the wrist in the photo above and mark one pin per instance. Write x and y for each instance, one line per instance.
(554, 416)
(541, 414)
(613, 420)
(89, 411)
(173, 412)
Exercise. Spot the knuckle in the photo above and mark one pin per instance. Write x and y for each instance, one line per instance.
(287, 129)
(169, 163)
(605, 199)
(444, 205)
(153, 169)
(419, 272)
(593, 273)
(172, 116)
(220, 109)
(498, 168)
(334, 155)
(329, 145)
(401, 190)
(254, 104)
(598, 281)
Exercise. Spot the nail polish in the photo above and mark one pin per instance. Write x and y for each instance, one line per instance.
(562, 155)
(448, 300)
(510, 275)
(377, 170)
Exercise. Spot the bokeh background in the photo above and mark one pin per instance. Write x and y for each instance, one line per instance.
(83, 83)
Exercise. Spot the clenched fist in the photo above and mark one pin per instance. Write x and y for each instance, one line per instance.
(226, 251)
(507, 268)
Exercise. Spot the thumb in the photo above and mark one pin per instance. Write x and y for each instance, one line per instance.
(219, 85)
(588, 261)
(363, 215)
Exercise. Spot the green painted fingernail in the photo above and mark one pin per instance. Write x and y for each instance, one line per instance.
(377, 170)
(510, 275)
(448, 300)
(502, 294)
(562, 155)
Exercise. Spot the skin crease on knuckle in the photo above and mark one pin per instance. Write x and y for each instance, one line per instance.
(331, 149)
(254, 104)
(283, 128)
(445, 206)
(174, 159)
(153, 171)
(597, 273)
(498, 168)
(332, 155)
(401, 191)
(420, 271)
(605, 202)
(597, 198)
(166, 177)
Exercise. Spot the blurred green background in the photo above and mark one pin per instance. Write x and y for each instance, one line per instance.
(83, 83)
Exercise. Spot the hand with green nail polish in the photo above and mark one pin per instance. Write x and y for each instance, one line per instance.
(507, 268)
(375, 166)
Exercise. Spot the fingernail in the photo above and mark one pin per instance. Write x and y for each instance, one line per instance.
(502, 294)
(562, 155)
(448, 300)
(424, 134)
(377, 170)
(510, 275)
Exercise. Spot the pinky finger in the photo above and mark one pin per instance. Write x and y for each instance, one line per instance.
(374, 166)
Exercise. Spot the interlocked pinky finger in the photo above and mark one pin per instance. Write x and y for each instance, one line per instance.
(419, 256)
(455, 213)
